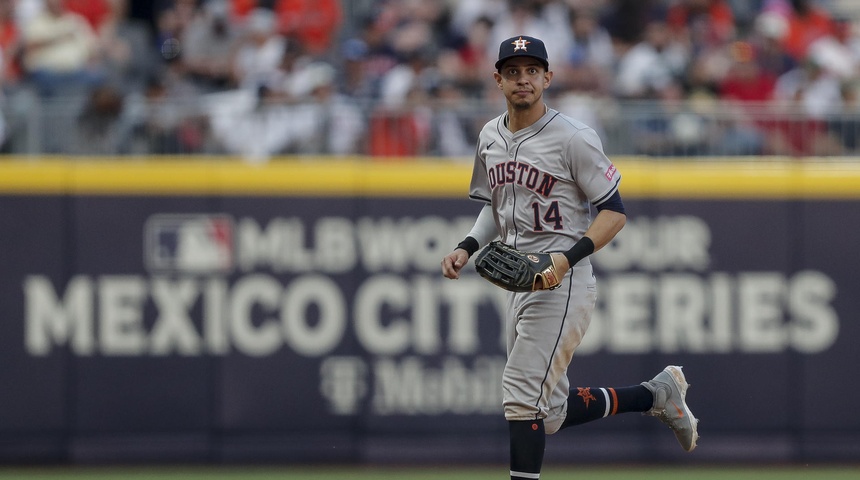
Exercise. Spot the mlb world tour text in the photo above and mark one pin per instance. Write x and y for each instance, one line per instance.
(309, 286)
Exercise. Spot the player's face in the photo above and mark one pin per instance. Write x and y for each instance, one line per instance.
(523, 80)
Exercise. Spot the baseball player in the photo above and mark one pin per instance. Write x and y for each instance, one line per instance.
(538, 172)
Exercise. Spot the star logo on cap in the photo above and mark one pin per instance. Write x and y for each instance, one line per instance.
(520, 44)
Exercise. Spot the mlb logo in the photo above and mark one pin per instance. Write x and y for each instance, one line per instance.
(189, 243)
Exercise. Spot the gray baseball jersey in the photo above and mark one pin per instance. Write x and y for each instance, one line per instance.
(540, 182)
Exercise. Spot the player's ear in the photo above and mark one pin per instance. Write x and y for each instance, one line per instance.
(547, 78)
(498, 77)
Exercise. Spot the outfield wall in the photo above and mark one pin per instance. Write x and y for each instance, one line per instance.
(214, 311)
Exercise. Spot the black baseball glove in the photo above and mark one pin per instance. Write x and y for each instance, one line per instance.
(517, 271)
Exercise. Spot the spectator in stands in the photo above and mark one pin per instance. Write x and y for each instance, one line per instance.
(845, 127)
(166, 113)
(172, 19)
(746, 88)
(314, 23)
(369, 56)
(241, 8)
(259, 52)
(584, 96)
(807, 22)
(689, 47)
(10, 71)
(668, 128)
(708, 23)
(185, 10)
(811, 93)
(530, 18)
(591, 42)
(26, 10)
(418, 67)
(165, 120)
(10, 45)
(100, 129)
(126, 45)
(847, 34)
(400, 125)
(332, 124)
(769, 30)
(465, 13)
(403, 130)
(591, 56)
(745, 13)
(845, 59)
(454, 123)
(746, 79)
(626, 20)
(354, 81)
(168, 32)
(254, 124)
(60, 51)
(690, 126)
(816, 88)
(556, 14)
(471, 60)
(648, 66)
(294, 60)
(96, 12)
(208, 44)
(417, 28)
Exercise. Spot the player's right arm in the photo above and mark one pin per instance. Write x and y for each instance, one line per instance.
(454, 262)
(482, 233)
(484, 230)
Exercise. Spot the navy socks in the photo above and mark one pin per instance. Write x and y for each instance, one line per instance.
(528, 440)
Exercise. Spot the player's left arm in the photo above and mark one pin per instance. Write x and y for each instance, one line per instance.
(605, 226)
(595, 174)
(609, 221)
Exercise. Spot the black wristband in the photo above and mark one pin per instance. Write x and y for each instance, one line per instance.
(470, 245)
(581, 249)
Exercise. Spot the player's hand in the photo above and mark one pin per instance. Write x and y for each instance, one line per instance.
(561, 264)
(454, 262)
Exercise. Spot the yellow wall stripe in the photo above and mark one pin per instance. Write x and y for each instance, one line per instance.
(752, 178)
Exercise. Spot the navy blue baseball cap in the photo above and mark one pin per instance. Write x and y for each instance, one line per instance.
(522, 46)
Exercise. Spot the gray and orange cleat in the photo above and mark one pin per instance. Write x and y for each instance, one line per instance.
(669, 388)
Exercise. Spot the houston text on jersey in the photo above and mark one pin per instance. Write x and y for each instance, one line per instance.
(522, 174)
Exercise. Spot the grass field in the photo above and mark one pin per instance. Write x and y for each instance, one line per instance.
(441, 473)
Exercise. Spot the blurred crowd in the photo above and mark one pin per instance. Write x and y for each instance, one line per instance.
(259, 78)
